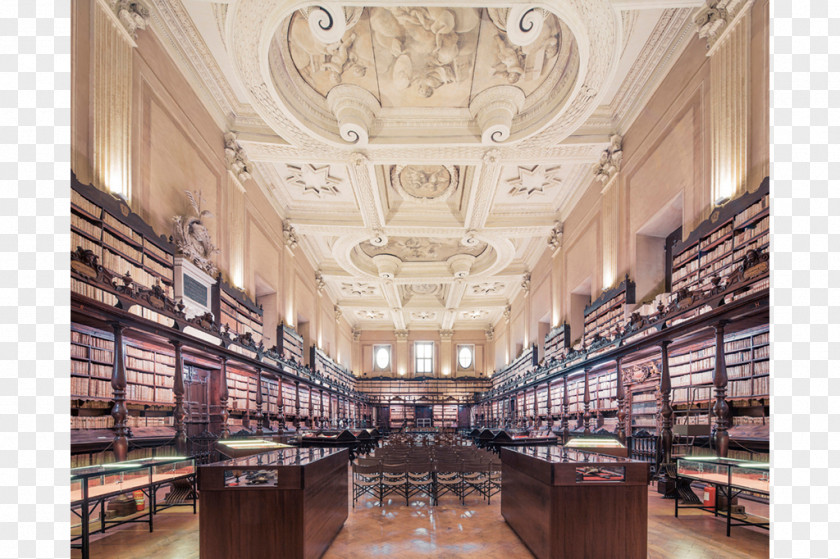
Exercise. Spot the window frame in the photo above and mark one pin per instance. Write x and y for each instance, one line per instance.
(388, 368)
(458, 349)
(430, 358)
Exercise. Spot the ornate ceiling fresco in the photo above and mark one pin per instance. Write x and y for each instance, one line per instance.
(423, 157)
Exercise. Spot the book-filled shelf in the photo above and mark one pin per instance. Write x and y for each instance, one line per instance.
(236, 313)
(720, 274)
(556, 343)
(324, 366)
(117, 257)
(516, 370)
(289, 344)
(605, 317)
(122, 280)
(718, 246)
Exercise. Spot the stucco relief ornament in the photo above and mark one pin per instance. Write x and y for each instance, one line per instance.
(379, 239)
(610, 161)
(329, 21)
(469, 239)
(711, 20)
(555, 238)
(289, 236)
(320, 284)
(191, 236)
(133, 15)
(235, 157)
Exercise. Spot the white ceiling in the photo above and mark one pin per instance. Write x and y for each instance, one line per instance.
(439, 194)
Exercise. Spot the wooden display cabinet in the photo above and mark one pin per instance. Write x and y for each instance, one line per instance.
(568, 503)
(284, 504)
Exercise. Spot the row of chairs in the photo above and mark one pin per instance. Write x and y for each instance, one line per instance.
(444, 473)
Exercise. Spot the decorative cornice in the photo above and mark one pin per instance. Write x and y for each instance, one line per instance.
(526, 283)
(338, 312)
(401, 335)
(446, 335)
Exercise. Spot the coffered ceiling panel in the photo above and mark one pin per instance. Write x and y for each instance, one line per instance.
(425, 155)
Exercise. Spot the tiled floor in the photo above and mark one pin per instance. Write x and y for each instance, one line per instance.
(447, 530)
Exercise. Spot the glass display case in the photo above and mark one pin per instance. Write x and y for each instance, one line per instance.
(600, 445)
(730, 477)
(296, 501)
(559, 501)
(237, 448)
(106, 495)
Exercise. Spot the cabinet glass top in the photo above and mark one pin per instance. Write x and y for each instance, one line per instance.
(563, 455)
(125, 466)
(293, 456)
(734, 462)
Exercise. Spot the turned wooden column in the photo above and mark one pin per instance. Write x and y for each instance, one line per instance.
(586, 415)
(322, 412)
(311, 409)
(223, 399)
(548, 404)
(118, 382)
(620, 398)
(281, 411)
(666, 411)
(721, 408)
(329, 408)
(297, 403)
(259, 415)
(565, 421)
(178, 391)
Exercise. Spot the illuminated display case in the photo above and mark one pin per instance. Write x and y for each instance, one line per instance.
(93, 487)
(237, 448)
(289, 502)
(599, 445)
(553, 498)
(730, 478)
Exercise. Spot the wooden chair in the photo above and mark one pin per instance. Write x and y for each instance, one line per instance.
(394, 480)
(367, 478)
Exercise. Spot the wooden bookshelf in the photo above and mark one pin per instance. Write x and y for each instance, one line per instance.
(91, 364)
(518, 368)
(120, 239)
(556, 343)
(606, 316)
(334, 372)
(150, 374)
(289, 344)
(720, 243)
(235, 310)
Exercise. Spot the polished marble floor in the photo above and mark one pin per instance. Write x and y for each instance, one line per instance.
(448, 530)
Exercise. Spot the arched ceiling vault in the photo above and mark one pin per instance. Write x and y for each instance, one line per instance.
(426, 155)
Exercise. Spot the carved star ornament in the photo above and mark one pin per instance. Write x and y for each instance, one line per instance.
(533, 182)
(312, 180)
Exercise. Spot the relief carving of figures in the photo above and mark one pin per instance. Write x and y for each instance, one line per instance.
(323, 66)
(192, 237)
(427, 47)
(527, 66)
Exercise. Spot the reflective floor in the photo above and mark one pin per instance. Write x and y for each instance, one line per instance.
(448, 530)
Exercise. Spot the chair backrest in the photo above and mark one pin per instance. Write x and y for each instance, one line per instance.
(366, 466)
(390, 467)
